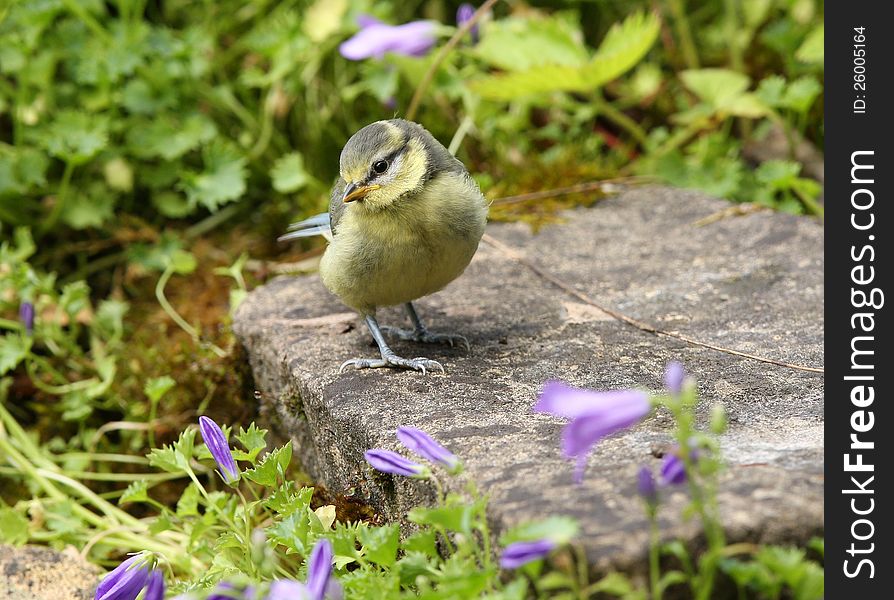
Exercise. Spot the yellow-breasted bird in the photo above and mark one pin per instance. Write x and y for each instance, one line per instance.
(404, 220)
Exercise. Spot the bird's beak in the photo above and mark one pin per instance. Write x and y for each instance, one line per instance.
(358, 192)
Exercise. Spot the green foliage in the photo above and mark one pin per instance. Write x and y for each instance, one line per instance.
(53, 354)
(129, 132)
(554, 61)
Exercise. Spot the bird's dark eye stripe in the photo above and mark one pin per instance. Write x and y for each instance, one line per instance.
(388, 160)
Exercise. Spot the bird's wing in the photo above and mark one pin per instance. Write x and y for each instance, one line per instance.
(323, 223)
(336, 204)
(315, 225)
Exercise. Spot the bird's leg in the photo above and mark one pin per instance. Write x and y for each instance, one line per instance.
(389, 358)
(421, 334)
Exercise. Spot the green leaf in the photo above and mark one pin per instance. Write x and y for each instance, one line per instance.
(137, 491)
(818, 545)
(273, 464)
(424, 540)
(188, 504)
(222, 181)
(517, 44)
(323, 18)
(778, 174)
(90, 208)
(170, 138)
(172, 204)
(253, 439)
(183, 262)
(414, 564)
(13, 527)
(109, 319)
(75, 137)
(616, 584)
(717, 87)
(746, 105)
(801, 93)
(161, 523)
(623, 47)
(174, 459)
(118, 174)
(812, 585)
(157, 387)
(13, 350)
(286, 500)
(453, 515)
(559, 529)
(812, 50)
(380, 544)
(288, 173)
(771, 90)
(292, 532)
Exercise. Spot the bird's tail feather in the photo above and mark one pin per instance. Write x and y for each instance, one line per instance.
(315, 225)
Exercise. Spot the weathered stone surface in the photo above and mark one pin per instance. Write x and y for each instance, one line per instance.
(39, 573)
(753, 283)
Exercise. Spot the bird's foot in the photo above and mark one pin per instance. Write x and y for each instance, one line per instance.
(424, 336)
(395, 362)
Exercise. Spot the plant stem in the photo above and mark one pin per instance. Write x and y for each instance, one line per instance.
(731, 24)
(458, 137)
(87, 19)
(442, 54)
(654, 539)
(175, 316)
(61, 197)
(621, 120)
(690, 54)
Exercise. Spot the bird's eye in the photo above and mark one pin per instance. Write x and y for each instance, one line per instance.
(380, 166)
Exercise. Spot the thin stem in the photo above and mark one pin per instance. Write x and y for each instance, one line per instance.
(175, 316)
(442, 54)
(458, 137)
(621, 120)
(732, 29)
(654, 539)
(61, 197)
(10, 324)
(109, 510)
(690, 54)
(87, 19)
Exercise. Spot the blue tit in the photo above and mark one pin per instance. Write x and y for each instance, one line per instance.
(404, 220)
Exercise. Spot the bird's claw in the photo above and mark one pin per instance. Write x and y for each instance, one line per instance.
(425, 337)
(420, 363)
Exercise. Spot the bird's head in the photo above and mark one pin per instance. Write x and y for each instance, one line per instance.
(386, 161)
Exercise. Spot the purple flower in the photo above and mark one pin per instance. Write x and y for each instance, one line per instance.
(376, 38)
(594, 415)
(286, 589)
(674, 375)
(319, 569)
(463, 14)
(126, 581)
(216, 441)
(419, 442)
(228, 591)
(155, 590)
(387, 461)
(673, 470)
(26, 314)
(645, 485)
(520, 553)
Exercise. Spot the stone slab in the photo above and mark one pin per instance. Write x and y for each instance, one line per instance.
(752, 282)
(40, 573)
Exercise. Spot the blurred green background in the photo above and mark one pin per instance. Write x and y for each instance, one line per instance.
(151, 151)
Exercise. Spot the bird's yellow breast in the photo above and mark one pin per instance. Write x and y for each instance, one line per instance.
(409, 250)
